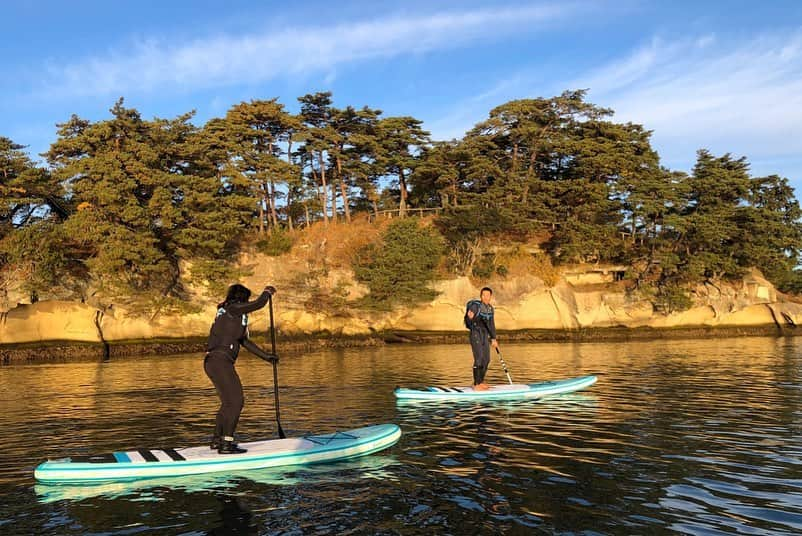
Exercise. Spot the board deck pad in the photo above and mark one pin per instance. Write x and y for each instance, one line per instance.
(145, 463)
(504, 391)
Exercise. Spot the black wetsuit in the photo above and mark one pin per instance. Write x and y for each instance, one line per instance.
(483, 330)
(229, 331)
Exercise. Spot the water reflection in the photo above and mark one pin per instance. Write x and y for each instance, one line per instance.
(685, 436)
(371, 467)
(235, 517)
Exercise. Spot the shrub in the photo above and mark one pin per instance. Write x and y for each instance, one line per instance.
(484, 267)
(401, 265)
(276, 243)
(672, 298)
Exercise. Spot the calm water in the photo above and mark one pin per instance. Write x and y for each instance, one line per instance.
(701, 437)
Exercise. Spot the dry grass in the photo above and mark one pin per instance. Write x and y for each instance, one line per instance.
(522, 260)
(334, 245)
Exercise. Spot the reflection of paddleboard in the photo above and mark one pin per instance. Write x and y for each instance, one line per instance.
(367, 467)
(532, 390)
(148, 463)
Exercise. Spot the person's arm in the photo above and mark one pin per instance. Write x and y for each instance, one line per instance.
(258, 352)
(255, 305)
(473, 310)
(491, 328)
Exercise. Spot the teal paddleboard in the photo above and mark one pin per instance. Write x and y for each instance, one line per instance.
(498, 392)
(150, 463)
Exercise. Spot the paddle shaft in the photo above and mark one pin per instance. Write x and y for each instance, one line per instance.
(275, 368)
(504, 365)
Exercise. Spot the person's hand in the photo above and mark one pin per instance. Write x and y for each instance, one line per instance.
(271, 358)
(471, 314)
(494, 343)
(270, 289)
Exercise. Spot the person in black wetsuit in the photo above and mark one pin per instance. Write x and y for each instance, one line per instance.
(228, 332)
(482, 324)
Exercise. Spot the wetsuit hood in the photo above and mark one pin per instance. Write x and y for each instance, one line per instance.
(236, 294)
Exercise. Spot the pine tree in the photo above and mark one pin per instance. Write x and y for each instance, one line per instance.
(402, 139)
(355, 152)
(144, 206)
(257, 132)
(32, 208)
(319, 137)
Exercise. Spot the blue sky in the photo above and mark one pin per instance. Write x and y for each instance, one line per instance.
(726, 76)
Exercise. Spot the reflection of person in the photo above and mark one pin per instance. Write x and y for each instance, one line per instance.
(229, 331)
(483, 336)
(236, 518)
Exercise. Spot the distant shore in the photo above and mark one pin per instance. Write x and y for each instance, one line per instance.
(66, 351)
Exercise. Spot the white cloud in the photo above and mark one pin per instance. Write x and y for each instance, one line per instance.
(743, 97)
(156, 65)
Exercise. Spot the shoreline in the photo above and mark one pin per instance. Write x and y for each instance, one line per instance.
(67, 351)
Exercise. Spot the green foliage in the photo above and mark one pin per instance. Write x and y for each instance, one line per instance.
(39, 252)
(471, 222)
(400, 140)
(580, 242)
(28, 194)
(791, 282)
(144, 204)
(276, 243)
(400, 267)
(255, 133)
(146, 208)
(484, 268)
(672, 298)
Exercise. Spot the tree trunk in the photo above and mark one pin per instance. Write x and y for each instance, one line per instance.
(289, 212)
(344, 191)
(333, 202)
(289, 199)
(634, 228)
(323, 191)
(402, 184)
(106, 348)
(262, 204)
(273, 213)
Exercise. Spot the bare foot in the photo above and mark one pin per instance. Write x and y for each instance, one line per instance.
(481, 387)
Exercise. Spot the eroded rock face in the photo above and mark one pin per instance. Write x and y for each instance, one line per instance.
(520, 304)
(49, 321)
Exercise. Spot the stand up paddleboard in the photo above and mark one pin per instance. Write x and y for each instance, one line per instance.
(496, 392)
(148, 463)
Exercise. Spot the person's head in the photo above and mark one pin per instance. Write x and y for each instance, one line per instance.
(486, 295)
(237, 294)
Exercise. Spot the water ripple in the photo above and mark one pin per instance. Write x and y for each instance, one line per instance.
(699, 437)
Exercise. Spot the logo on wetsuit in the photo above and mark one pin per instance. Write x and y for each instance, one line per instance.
(221, 312)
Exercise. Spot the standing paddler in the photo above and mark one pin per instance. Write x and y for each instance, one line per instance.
(479, 318)
(230, 331)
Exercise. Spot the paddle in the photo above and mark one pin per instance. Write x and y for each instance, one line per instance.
(275, 367)
(504, 365)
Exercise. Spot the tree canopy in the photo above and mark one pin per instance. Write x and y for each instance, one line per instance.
(144, 208)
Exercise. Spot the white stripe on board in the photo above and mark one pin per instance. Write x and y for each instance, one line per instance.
(135, 456)
(161, 455)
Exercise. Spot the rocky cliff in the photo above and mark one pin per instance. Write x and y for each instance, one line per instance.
(522, 303)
